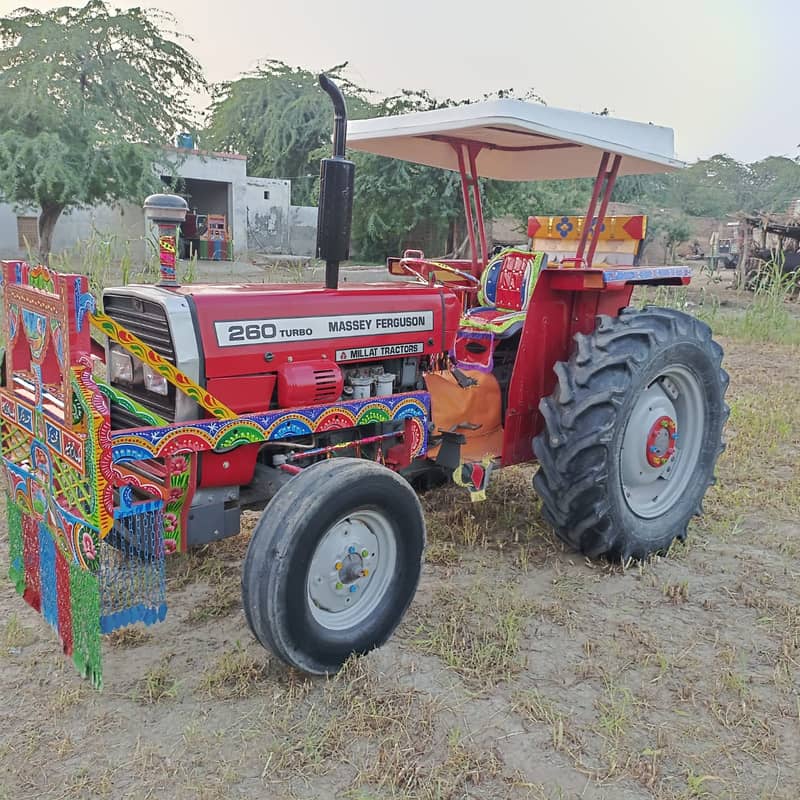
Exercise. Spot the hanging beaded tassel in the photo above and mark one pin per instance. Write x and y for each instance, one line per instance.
(85, 624)
(132, 574)
(16, 570)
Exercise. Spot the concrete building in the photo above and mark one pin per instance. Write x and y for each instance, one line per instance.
(258, 211)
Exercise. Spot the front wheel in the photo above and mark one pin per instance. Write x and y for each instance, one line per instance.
(632, 433)
(333, 563)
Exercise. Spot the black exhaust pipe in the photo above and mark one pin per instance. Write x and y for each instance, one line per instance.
(336, 174)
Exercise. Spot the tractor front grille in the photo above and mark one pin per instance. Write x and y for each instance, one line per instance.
(147, 321)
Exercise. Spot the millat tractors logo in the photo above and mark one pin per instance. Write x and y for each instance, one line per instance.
(304, 329)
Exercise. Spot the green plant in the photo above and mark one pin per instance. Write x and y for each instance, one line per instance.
(106, 259)
(189, 274)
(768, 317)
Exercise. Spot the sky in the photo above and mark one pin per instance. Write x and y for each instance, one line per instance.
(721, 73)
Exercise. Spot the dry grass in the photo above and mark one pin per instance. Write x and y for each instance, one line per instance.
(476, 633)
(157, 684)
(521, 671)
(132, 636)
(223, 597)
(15, 635)
(235, 673)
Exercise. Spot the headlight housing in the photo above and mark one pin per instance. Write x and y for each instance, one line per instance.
(154, 382)
(121, 367)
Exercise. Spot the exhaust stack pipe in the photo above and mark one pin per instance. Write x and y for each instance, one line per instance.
(336, 174)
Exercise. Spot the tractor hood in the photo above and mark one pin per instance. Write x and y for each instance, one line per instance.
(249, 329)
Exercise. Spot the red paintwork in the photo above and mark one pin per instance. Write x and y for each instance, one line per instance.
(298, 385)
(98, 350)
(508, 294)
(399, 455)
(656, 458)
(471, 192)
(611, 179)
(63, 602)
(564, 302)
(243, 379)
(355, 445)
(634, 227)
(554, 316)
(30, 559)
(598, 182)
(533, 227)
(476, 191)
(259, 301)
(189, 490)
(228, 469)
(244, 394)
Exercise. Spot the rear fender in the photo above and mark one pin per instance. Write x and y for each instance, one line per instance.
(564, 302)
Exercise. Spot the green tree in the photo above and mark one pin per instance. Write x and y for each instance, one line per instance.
(775, 184)
(392, 197)
(279, 117)
(87, 98)
(712, 188)
(675, 231)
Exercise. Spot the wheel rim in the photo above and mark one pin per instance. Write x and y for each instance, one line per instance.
(351, 569)
(662, 442)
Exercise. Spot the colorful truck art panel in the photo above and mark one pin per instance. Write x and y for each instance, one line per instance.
(64, 495)
(92, 512)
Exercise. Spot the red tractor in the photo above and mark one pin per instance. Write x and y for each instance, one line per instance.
(331, 402)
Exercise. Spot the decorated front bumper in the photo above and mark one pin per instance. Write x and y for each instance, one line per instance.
(92, 513)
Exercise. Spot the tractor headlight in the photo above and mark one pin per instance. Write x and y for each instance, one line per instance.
(154, 382)
(121, 367)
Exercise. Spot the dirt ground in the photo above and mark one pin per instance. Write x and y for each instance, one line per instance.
(521, 671)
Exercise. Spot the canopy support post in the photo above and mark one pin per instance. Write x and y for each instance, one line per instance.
(598, 182)
(604, 176)
(476, 190)
(611, 179)
(470, 191)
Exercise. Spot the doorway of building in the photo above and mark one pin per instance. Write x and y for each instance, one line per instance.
(208, 230)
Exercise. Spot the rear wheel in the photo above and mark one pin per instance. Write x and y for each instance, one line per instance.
(632, 433)
(333, 563)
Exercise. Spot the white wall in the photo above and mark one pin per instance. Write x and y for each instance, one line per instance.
(268, 217)
(303, 230)
(8, 232)
(124, 222)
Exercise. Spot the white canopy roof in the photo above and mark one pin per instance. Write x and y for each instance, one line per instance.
(520, 141)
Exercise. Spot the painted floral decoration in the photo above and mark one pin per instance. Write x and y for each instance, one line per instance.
(564, 227)
(88, 546)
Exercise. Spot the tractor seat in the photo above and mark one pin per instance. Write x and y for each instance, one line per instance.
(505, 291)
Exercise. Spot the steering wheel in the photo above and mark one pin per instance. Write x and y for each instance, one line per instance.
(415, 258)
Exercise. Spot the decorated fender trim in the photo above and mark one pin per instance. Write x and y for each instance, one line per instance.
(217, 435)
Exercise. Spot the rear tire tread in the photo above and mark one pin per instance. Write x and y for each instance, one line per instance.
(598, 379)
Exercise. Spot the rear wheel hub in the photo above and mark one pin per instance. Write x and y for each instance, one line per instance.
(655, 465)
(661, 441)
